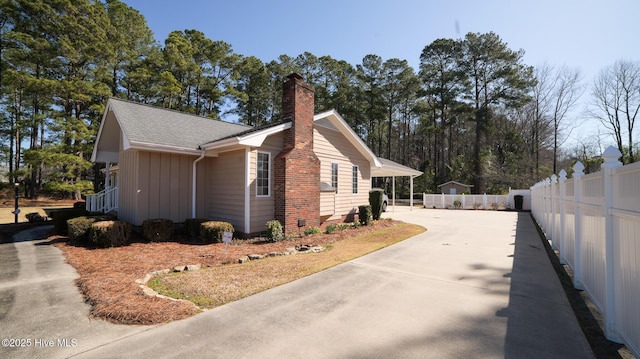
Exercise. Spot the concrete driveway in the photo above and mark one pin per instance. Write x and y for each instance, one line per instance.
(476, 284)
(42, 314)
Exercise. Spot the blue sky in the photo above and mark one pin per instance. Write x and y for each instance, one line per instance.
(586, 34)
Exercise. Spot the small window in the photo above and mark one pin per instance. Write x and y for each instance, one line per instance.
(354, 180)
(334, 176)
(263, 174)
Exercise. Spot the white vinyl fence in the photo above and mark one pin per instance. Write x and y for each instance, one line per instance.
(593, 221)
(475, 201)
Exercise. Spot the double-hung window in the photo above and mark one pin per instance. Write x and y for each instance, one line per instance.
(334, 176)
(263, 174)
(354, 180)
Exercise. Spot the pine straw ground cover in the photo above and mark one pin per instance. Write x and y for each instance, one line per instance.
(108, 276)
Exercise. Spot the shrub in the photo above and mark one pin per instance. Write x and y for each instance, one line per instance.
(110, 233)
(365, 215)
(157, 230)
(61, 216)
(35, 217)
(457, 203)
(212, 231)
(375, 200)
(192, 226)
(312, 230)
(79, 228)
(331, 228)
(274, 231)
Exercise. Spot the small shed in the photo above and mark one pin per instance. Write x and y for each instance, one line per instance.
(453, 187)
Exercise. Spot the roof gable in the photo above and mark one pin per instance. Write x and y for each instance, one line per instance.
(149, 127)
(455, 183)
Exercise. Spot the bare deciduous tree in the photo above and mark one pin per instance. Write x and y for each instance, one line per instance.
(567, 89)
(616, 103)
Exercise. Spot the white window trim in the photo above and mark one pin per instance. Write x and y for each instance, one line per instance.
(270, 174)
(357, 170)
(337, 175)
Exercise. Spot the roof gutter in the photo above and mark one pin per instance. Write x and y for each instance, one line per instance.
(193, 184)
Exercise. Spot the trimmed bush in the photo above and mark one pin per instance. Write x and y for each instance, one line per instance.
(61, 216)
(192, 226)
(79, 228)
(157, 230)
(35, 217)
(312, 230)
(110, 233)
(375, 200)
(212, 231)
(274, 231)
(365, 215)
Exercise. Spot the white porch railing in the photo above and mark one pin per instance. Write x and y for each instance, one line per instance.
(104, 201)
(593, 221)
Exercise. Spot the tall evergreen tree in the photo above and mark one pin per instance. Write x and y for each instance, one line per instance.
(497, 77)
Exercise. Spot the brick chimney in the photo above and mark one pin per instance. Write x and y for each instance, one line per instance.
(296, 168)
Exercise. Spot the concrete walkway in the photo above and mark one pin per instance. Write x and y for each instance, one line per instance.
(477, 284)
(40, 305)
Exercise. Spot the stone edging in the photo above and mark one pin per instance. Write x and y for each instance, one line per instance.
(192, 267)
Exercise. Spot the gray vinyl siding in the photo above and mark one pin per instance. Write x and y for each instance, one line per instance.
(332, 147)
(127, 186)
(157, 185)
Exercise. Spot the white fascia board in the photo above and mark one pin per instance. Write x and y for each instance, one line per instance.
(104, 118)
(256, 139)
(334, 117)
(253, 139)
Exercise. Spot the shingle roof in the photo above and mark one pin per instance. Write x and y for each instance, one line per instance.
(153, 125)
(253, 129)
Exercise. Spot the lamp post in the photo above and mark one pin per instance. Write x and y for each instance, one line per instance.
(16, 211)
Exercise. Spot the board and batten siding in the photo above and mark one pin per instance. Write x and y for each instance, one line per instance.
(332, 147)
(157, 185)
(262, 208)
(221, 188)
(127, 185)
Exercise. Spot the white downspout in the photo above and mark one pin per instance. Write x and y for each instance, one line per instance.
(193, 184)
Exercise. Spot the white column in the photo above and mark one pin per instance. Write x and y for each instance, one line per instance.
(610, 155)
(393, 185)
(107, 176)
(411, 193)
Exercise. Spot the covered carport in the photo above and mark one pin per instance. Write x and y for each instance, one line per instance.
(393, 170)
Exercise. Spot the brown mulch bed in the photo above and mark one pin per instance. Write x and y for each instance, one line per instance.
(108, 276)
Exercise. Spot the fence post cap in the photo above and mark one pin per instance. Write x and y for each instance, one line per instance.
(578, 169)
(563, 175)
(610, 156)
(554, 178)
